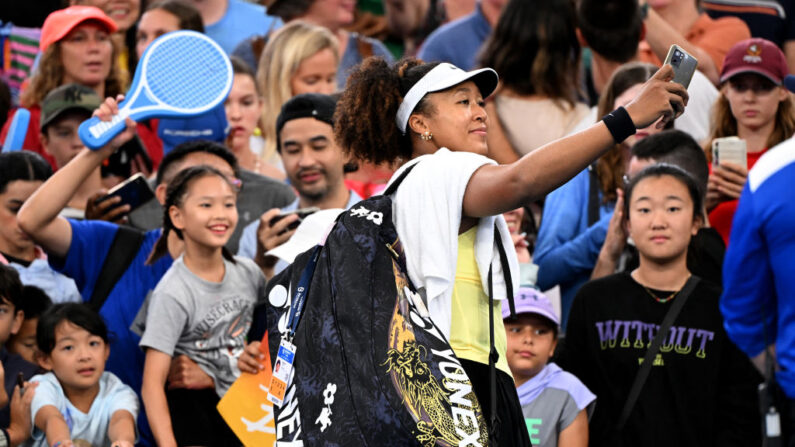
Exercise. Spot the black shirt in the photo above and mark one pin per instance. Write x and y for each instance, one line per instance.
(701, 390)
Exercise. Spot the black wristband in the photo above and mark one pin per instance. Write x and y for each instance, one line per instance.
(619, 124)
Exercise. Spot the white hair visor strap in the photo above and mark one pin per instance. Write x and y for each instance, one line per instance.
(442, 77)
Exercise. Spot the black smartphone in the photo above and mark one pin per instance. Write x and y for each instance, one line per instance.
(119, 164)
(302, 214)
(134, 191)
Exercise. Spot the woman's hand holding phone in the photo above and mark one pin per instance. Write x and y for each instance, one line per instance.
(658, 98)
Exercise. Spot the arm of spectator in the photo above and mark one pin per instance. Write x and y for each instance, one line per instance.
(51, 422)
(185, 373)
(39, 217)
(104, 210)
(748, 301)
(19, 427)
(156, 368)
(576, 434)
(121, 430)
(500, 148)
(495, 189)
(660, 35)
(270, 237)
(615, 241)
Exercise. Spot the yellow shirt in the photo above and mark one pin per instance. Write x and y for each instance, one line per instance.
(469, 329)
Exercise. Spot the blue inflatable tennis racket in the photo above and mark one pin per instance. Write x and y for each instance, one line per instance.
(15, 137)
(181, 74)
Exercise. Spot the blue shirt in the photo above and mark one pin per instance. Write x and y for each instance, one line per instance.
(353, 57)
(91, 241)
(457, 42)
(113, 396)
(567, 248)
(241, 20)
(758, 280)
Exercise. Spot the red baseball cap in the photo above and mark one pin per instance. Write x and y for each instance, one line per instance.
(63, 21)
(758, 56)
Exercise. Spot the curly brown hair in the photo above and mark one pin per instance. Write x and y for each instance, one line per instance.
(50, 74)
(364, 121)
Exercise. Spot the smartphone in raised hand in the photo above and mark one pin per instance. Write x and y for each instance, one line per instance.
(684, 64)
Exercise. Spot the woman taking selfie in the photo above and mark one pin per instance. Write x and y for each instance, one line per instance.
(700, 389)
(431, 116)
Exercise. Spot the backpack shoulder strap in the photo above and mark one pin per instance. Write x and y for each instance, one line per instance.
(122, 251)
(648, 359)
(394, 186)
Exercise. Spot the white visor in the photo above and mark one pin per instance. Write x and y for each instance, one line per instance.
(442, 77)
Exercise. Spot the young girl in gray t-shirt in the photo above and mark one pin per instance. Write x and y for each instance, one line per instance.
(202, 308)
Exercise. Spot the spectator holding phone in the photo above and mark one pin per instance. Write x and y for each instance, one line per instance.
(314, 165)
(754, 106)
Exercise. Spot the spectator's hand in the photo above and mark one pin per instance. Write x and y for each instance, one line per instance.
(729, 179)
(659, 98)
(105, 112)
(249, 360)
(103, 211)
(185, 373)
(714, 197)
(20, 427)
(520, 245)
(270, 237)
(616, 238)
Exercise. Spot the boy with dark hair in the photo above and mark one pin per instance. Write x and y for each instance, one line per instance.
(34, 303)
(674, 147)
(11, 317)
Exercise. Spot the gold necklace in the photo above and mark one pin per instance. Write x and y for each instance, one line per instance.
(657, 298)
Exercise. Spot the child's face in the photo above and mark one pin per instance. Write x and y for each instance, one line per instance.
(208, 214)
(661, 218)
(24, 342)
(531, 342)
(10, 320)
(78, 358)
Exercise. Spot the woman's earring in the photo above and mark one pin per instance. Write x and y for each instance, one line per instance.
(426, 136)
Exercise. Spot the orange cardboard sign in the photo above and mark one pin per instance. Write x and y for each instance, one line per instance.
(245, 406)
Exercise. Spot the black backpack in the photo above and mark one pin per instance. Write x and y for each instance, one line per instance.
(370, 368)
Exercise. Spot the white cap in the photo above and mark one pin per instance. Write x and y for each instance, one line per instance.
(310, 232)
(442, 77)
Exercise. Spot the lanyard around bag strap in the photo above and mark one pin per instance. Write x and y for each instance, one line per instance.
(648, 359)
(301, 292)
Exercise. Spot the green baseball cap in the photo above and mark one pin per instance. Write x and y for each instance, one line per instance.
(67, 98)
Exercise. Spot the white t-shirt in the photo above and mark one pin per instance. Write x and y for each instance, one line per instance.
(91, 427)
(427, 210)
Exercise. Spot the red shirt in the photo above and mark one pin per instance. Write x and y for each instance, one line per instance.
(720, 218)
